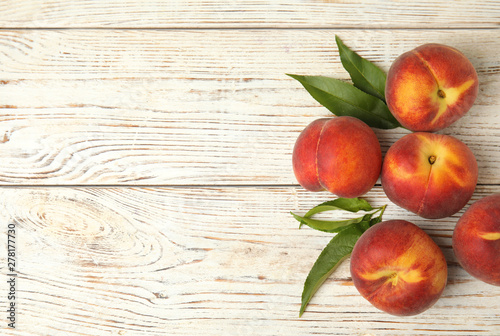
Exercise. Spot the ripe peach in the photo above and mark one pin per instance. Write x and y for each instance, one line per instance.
(431, 175)
(340, 154)
(430, 87)
(476, 239)
(398, 268)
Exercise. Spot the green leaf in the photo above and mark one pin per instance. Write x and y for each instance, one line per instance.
(329, 226)
(365, 225)
(343, 99)
(365, 75)
(341, 245)
(347, 204)
(338, 249)
(378, 219)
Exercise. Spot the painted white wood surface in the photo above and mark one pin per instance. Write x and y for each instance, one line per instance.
(205, 261)
(148, 170)
(166, 107)
(250, 13)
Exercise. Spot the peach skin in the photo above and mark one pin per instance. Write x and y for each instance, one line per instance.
(476, 240)
(431, 175)
(340, 154)
(431, 87)
(398, 268)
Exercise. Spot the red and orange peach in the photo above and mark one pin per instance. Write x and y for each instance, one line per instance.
(431, 175)
(340, 154)
(476, 239)
(431, 87)
(398, 268)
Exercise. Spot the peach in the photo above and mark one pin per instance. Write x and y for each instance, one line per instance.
(431, 175)
(398, 268)
(430, 87)
(476, 239)
(340, 154)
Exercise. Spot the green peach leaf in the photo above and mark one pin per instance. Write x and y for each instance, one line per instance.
(330, 226)
(347, 204)
(365, 75)
(338, 249)
(343, 99)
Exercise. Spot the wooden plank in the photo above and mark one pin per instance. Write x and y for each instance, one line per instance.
(244, 14)
(164, 107)
(204, 261)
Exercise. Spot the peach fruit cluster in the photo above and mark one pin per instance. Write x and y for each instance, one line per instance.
(395, 265)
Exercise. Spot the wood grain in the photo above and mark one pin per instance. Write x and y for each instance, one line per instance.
(205, 261)
(165, 108)
(146, 162)
(250, 14)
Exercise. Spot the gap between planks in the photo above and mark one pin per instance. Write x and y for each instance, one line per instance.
(177, 186)
(237, 27)
(173, 186)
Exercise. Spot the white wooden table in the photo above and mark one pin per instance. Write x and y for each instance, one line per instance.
(146, 163)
